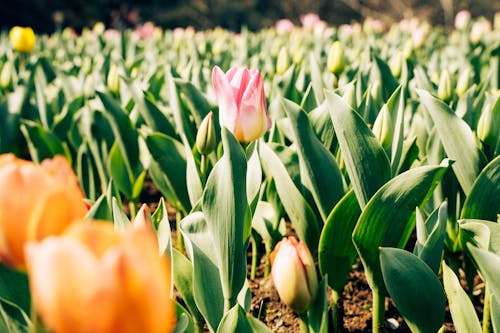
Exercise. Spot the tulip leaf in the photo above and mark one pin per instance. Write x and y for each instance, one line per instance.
(195, 101)
(254, 174)
(318, 85)
(14, 288)
(226, 211)
(430, 237)
(489, 266)
(207, 287)
(12, 318)
(170, 156)
(320, 121)
(462, 311)
(384, 75)
(336, 253)
(388, 218)
(457, 138)
(300, 213)
(405, 276)
(318, 313)
(193, 181)
(120, 219)
(183, 280)
(495, 313)
(155, 118)
(42, 143)
(483, 201)
(10, 135)
(365, 160)
(483, 234)
(320, 173)
(162, 225)
(236, 320)
(396, 108)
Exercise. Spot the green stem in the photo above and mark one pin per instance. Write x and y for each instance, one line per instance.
(336, 320)
(378, 311)
(34, 327)
(253, 269)
(198, 327)
(203, 169)
(486, 310)
(267, 259)
(304, 322)
(228, 304)
(181, 246)
(132, 208)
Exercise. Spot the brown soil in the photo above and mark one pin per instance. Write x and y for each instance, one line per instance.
(354, 305)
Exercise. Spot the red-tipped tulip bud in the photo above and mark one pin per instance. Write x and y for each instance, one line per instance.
(294, 274)
(205, 138)
(242, 103)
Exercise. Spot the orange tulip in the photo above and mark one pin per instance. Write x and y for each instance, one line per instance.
(95, 279)
(36, 201)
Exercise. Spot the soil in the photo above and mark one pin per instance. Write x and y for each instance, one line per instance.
(354, 306)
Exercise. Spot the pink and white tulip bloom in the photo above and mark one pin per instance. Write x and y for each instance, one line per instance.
(294, 274)
(284, 26)
(462, 19)
(242, 103)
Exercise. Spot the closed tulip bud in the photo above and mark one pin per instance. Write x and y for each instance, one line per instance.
(283, 61)
(445, 90)
(462, 19)
(36, 201)
(143, 217)
(335, 61)
(22, 39)
(242, 103)
(488, 127)
(99, 28)
(464, 82)
(396, 64)
(6, 75)
(96, 279)
(294, 274)
(383, 128)
(205, 138)
(113, 80)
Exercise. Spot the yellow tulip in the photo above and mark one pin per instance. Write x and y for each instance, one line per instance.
(36, 201)
(95, 279)
(22, 39)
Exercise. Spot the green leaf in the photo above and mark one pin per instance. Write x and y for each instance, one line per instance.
(316, 80)
(388, 218)
(42, 143)
(462, 311)
(235, 320)
(163, 232)
(396, 108)
(483, 234)
(336, 251)
(483, 201)
(495, 313)
(318, 313)
(170, 156)
(319, 171)
(155, 118)
(254, 174)
(489, 266)
(13, 319)
(405, 277)
(365, 160)
(457, 139)
(207, 287)
(14, 288)
(300, 213)
(225, 207)
(120, 219)
(384, 74)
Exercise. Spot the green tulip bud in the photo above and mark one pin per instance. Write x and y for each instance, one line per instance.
(283, 61)
(335, 61)
(205, 138)
(395, 64)
(445, 90)
(488, 127)
(6, 75)
(464, 82)
(113, 80)
(383, 128)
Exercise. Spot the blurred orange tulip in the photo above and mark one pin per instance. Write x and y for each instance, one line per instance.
(95, 279)
(36, 201)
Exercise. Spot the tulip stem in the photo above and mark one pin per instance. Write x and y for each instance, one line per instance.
(180, 239)
(132, 209)
(378, 311)
(253, 269)
(267, 259)
(486, 310)
(304, 322)
(336, 320)
(198, 327)
(34, 326)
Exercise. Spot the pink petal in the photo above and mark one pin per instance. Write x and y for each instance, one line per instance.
(228, 110)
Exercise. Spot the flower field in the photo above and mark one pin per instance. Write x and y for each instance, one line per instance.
(295, 155)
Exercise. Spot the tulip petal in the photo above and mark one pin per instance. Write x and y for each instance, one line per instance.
(239, 81)
(253, 118)
(228, 110)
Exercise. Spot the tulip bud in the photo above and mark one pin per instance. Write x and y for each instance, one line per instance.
(488, 127)
(143, 218)
(242, 103)
(383, 128)
(36, 201)
(113, 80)
(396, 64)
(283, 61)
(294, 274)
(22, 39)
(96, 279)
(99, 28)
(205, 138)
(6, 75)
(335, 61)
(496, 21)
(464, 82)
(462, 19)
(445, 90)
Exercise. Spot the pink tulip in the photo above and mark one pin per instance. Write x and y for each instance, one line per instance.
(462, 19)
(242, 103)
(310, 20)
(294, 274)
(284, 26)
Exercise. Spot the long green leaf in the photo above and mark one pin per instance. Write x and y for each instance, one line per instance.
(406, 276)
(365, 160)
(388, 218)
(457, 138)
(236, 320)
(489, 266)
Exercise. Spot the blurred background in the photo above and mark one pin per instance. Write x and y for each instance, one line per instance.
(47, 15)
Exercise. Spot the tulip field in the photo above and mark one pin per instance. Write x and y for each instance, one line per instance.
(178, 180)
